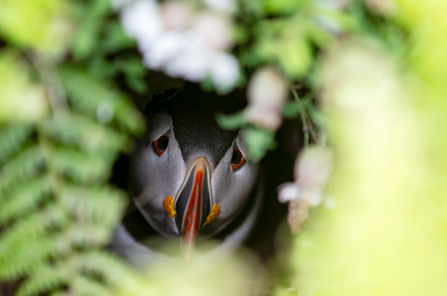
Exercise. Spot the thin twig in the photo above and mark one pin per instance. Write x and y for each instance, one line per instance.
(305, 129)
(308, 127)
(312, 131)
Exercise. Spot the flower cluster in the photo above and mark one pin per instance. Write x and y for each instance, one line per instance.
(183, 41)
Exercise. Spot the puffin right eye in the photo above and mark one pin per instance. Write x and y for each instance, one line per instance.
(161, 144)
(237, 159)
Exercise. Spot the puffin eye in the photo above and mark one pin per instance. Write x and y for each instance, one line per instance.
(161, 144)
(237, 160)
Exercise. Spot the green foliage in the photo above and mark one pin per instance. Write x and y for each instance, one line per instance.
(23, 166)
(26, 100)
(260, 141)
(39, 24)
(288, 35)
(12, 138)
(232, 121)
(60, 132)
(100, 101)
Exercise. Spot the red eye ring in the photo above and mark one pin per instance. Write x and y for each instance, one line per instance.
(161, 144)
(237, 160)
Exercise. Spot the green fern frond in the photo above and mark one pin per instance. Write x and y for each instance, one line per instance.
(106, 265)
(100, 99)
(23, 166)
(31, 228)
(85, 286)
(12, 137)
(28, 255)
(96, 205)
(85, 133)
(86, 168)
(82, 235)
(53, 223)
(43, 279)
(24, 198)
(115, 273)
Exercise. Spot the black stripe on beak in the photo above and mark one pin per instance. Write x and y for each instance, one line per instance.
(195, 185)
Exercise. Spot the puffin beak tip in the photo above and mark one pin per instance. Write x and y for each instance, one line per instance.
(193, 204)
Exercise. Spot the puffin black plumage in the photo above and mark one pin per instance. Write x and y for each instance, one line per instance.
(189, 177)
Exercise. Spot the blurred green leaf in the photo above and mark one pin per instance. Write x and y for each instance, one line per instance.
(293, 109)
(39, 24)
(84, 133)
(82, 167)
(295, 56)
(282, 6)
(115, 38)
(87, 204)
(86, 38)
(134, 71)
(20, 99)
(100, 68)
(25, 165)
(231, 121)
(44, 279)
(100, 100)
(24, 198)
(12, 137)
(258, 142)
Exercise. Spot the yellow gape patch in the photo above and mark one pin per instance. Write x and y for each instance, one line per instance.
(213, 214)
(168, 205)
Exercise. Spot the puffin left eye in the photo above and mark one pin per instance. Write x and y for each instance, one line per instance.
(237, 160)
(161, 144)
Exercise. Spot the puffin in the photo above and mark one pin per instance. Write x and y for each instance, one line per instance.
(189, 179)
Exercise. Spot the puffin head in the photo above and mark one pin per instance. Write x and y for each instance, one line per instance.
(188, 177)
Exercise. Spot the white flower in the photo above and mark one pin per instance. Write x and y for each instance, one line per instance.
(225, 70)
(162, 51)
(267, 94)
(171, 38)
(267, 89)
(176, 15)
(312, 170)
(264, 117)
(192, 63)
(214, 30)
(288, 192)
(292, 192)
(313, 167)
(141, 20)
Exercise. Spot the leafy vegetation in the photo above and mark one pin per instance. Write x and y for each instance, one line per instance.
(62, 129)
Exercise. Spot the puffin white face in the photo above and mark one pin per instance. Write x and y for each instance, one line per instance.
(208, 190)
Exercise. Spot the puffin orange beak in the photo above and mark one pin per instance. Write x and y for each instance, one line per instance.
(193, 205)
